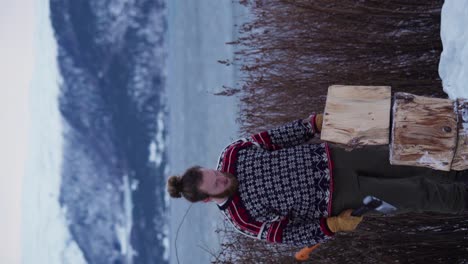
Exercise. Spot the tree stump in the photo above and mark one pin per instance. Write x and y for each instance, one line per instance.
(424, 131)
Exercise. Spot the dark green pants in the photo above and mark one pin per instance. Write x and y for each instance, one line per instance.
(367, 171)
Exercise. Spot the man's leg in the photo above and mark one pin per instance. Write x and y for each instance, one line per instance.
(368, 171)
(415, 194)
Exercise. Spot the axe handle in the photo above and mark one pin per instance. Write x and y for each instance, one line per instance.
(362, 210)
(365, 208)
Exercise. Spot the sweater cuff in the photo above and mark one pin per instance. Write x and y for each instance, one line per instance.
(324, 227)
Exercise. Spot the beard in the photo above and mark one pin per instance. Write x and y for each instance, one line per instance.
(231, 189)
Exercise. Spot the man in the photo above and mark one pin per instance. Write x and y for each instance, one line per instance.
(275, 187)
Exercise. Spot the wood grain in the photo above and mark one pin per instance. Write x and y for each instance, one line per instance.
(424, 131)
(460, 161)
(357, 115)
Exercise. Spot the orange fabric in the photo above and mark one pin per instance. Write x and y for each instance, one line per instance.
(304, 254)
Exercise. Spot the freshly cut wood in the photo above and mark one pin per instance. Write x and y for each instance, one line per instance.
(357, 115)
(424, 131)
(460, 161)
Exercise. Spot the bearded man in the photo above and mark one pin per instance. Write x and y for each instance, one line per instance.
(276, 187)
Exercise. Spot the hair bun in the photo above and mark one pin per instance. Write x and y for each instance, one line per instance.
(174, 186)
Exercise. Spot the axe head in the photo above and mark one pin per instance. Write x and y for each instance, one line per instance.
(379, 205)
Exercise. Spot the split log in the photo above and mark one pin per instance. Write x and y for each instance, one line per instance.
(424, 132)
(357, 115)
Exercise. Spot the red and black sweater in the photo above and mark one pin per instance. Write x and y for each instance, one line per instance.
(285, 186)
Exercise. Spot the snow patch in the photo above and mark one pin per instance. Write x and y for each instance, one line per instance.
(157, 147)
(464, 116)
(453, 66)
(124, 230)
(166, 242)
(428, 159)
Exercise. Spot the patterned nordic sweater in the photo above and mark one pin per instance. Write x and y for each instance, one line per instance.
(285, 186)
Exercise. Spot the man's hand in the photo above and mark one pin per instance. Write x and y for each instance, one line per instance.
(344, 222)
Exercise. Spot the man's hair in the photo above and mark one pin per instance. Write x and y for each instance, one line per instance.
(187, 185)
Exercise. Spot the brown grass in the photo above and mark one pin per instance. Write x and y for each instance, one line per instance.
(289, 54)
(416, 238)
(293, 50)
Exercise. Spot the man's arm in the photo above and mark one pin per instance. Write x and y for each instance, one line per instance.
(297, 233)
(312, 232)
(290, 134)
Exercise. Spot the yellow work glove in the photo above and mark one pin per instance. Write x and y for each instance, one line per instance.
(319, 121)
(344, 222)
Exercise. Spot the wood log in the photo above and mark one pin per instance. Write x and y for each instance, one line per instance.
(424, 131)
(357, 115)
(460, 161)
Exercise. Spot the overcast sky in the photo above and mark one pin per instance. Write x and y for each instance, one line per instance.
(16, 60)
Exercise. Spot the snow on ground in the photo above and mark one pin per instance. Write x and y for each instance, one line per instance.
(45, 236)
(157, 147)
(453, 66)
(124, 230)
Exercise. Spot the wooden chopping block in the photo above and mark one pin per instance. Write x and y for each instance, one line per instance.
(424, 131)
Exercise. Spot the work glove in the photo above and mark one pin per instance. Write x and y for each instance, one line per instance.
(319, 122)
(344, 222)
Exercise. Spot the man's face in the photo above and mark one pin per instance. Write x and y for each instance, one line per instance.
(217, 184)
